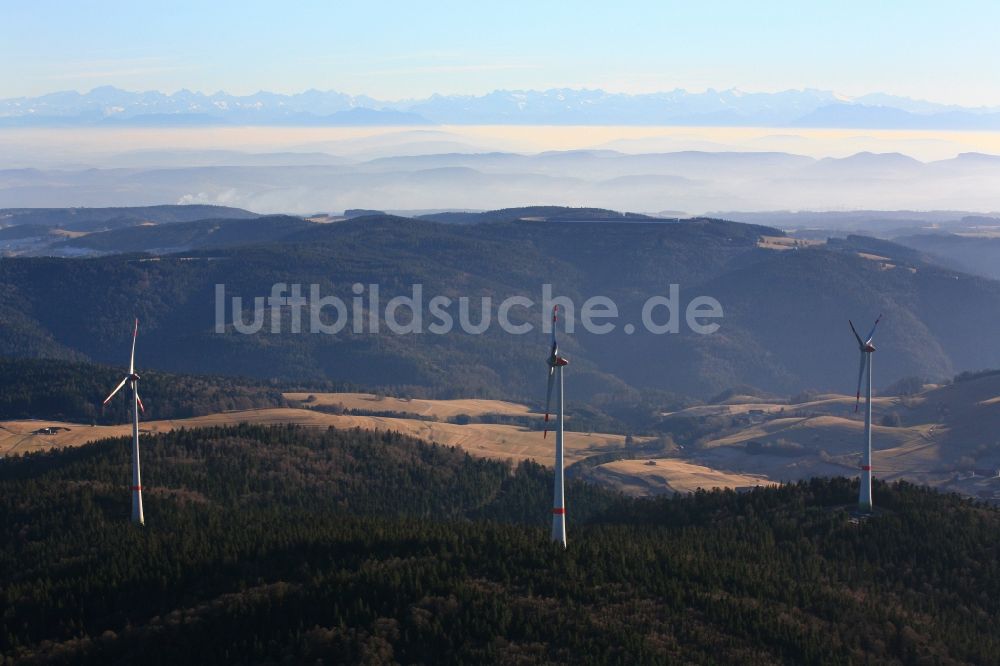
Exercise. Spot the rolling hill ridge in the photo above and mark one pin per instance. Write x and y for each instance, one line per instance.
(937, 320)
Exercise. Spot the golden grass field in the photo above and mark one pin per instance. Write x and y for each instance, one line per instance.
(940, 429)
(895, 451)
(440, 409)
(639, 477)
(786, 242)
(828, 403)
(480, 439)
(483, 440)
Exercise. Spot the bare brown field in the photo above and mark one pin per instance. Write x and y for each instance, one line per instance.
(825, 403)
(16, 436)
(872, 257)
(480, 439)
(937, 442)
(440, 409)
(639, 477)
(827, 432)
(64, 233)
(786, 242)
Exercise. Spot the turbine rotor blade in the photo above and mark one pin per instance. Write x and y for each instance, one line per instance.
(548, 401)
(872, 333)
(138, 400)
(555, 320)
(131, 362)
(855, 332)
(861, 374)
(117, 388)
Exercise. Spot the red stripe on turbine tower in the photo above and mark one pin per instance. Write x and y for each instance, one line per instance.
(866, 468)
(135, 487)
(559, 511)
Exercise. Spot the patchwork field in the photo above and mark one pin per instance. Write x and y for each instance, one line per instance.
(485, 440)
(830, 403)
(947, 436)
(440, 409)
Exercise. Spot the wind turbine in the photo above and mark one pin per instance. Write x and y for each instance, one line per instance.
(867, 348)
(133, 379)
(556, 364)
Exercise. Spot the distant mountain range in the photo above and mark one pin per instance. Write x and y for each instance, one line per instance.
(108, 105)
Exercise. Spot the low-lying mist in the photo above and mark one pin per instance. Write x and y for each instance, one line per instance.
(643, 169)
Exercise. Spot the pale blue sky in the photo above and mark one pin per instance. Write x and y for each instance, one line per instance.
(942, 51)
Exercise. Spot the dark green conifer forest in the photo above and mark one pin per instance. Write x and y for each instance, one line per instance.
(73, 391)
(285, 545)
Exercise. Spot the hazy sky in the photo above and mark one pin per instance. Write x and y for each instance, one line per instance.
(942, 51)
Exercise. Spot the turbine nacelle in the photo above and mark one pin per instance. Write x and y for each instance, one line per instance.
(866, 344)
(866, 347)
(133, 381)
(556, 360)
(131, 378)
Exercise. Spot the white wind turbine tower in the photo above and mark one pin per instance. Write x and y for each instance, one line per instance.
(867, 348)
(556, 364)
(133, 379)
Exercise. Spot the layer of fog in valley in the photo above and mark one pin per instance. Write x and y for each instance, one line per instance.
(660, 170)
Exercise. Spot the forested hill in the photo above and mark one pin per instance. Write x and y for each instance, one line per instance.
(284, 545)
(74, 391)
(207, 233)
(937, 322)
(96, 219)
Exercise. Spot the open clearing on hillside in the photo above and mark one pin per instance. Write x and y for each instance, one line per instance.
(793, 448)
(665, 475)
(824, 404)
(940, 441)
(829, 433)
(786, 242)
(480, 439)
(439, 409)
